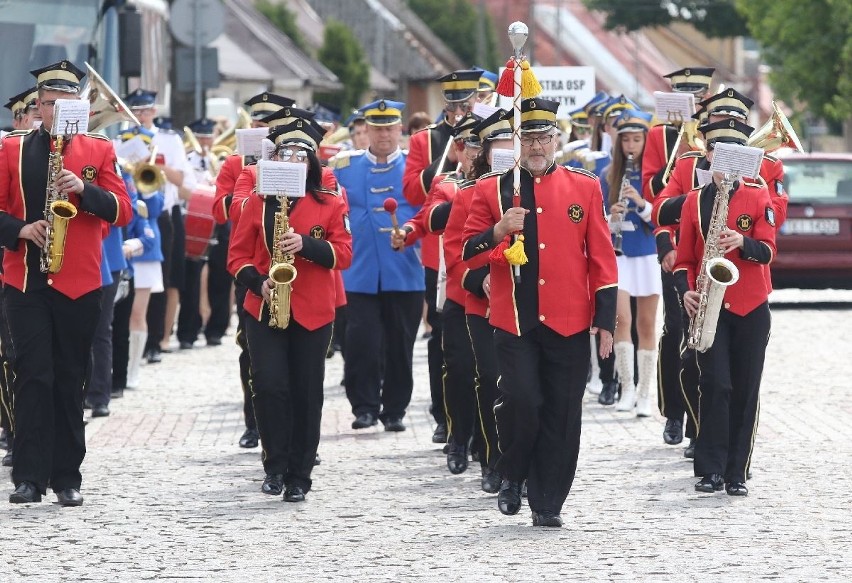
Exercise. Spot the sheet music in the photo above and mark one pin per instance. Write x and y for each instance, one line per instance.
(502, 159)
(71, 116)
(673, 107)
(736, 160)
(703, 176)
(249, 140)
(133, 150)
(484, 111)
(267, 148)
(281, 178)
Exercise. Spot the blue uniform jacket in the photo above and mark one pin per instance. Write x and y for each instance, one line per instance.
(375, 265)
(640, 241)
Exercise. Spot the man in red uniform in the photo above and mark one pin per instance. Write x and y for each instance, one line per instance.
(566, 289)
(52, 316)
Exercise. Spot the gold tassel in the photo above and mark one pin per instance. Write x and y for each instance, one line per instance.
(515, 254)
(530, 87)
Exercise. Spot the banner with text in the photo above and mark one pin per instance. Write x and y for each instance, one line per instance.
(572, 87)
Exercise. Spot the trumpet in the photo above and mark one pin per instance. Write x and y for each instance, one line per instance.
(147, 176)
(689, 129)
(617, 218)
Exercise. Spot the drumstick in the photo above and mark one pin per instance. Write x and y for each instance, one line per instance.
(390, 205)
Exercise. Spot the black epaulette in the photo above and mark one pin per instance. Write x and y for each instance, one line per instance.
(770, 157)
(431, 126)
(451, 178)
(328, 191)
(98, 136)
(582, 171)
(760, 184)
(692, 154)
(467, 183)
(488, 174)
(17, 133)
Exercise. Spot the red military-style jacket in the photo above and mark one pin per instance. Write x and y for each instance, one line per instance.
(23, 186)
(464, 279)
(659, 144)
(425, 150)
(429, 222)
(751, 213)
(571, 280)
(327, 241)
(225, 182)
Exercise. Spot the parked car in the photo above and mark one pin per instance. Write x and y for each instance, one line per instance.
(815, 243)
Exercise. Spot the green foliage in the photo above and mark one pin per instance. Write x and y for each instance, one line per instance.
(343, 54)
(283, 19)
(457, 23)
(714, 18)
(809, 46)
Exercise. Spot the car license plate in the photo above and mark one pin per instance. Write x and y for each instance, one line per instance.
(811, 227)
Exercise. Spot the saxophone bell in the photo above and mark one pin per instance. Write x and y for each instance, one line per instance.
(282, 271)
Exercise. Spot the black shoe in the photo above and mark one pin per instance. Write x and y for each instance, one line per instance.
(86, 404)
(524, 490)
(736, 489)
(273, 484)
(185, 345)
(440, 433)
(8, 459)
(364, 420)
(249, 438)
(446, 449)
(153, 357)
(689, 452)
(490, 481)
(294, 494)
(509, 498)
(25, 493)
(116, 393)
(100, 411)
(317, 460)
(69, 497)
(546, 518)
(608, 392)
(4, 439)
(457, 458)
(710, 483)
(394, 424)
(673, 433)
(474, 456)
(214, 341)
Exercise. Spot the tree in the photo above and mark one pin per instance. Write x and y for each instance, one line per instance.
(343, 54)
(809, 46)
(457, 23)
(714, 18)
(284, 20)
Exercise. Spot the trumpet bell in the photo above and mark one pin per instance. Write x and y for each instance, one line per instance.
(105, 107)
(776, 133)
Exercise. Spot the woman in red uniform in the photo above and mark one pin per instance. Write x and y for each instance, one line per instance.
(288, 365)
(730, 370)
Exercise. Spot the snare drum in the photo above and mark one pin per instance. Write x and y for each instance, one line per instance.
(199, 222)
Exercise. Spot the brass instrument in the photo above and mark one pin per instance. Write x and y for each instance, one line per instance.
(58, 210)
(105, 107)
(226, 143)
(281, 270)
(617, 218)
(715, 275)
(689, 129)
(775, 133)
(190, 142)
(147, 176)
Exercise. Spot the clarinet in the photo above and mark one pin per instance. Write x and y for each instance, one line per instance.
(617, 218)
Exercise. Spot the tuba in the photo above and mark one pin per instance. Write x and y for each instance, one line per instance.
(715, 275)
(281, 270)
(105, 107)
(58, 210)
(226, 143)
(775, 133)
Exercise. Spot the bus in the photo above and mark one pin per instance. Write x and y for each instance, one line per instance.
(36, 33)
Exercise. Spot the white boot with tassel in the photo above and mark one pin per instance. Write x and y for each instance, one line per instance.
(647, 375)
(624, 368)
(134, 356)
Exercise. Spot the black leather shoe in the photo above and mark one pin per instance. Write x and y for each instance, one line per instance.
(440, 433)
(364, 420)
(689, 452)
(249, 438)
(509, 498)
(546, 518)
(100, 411)
(736, 489)
(185, 345)
(25, 493)
(273, 484)
(116, 393)
(69, 497)
(490, 481)
(214, 341)
(608, 392)
(457, 458)
(673, 433)
(8, 459)
(153, 357)
(394, 424)
(710, 483)
(294, 494)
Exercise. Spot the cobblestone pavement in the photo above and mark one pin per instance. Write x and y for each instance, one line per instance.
(169, 496)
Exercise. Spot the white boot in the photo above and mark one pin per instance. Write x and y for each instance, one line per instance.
(624, 367)
(595, 386)
(647, 375)
(134, 356)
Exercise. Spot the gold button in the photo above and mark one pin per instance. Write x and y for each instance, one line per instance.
(541, 282)
(537, 180)
(541, 245)
(541, 318)
(49, 282)
(539, 210)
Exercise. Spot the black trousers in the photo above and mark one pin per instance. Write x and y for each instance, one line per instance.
(6, 377)
(607, 365)
(244, 359)
(730, 394)
(380, 333)
(121, 336)
(459, 374)
(539, 411)
(189, 316)
(99, 387)
(434, 348)
(669, 394)
(53, 336)
(219, 283)
(689, 381)
(156, 314)
(482, 339)
(288, 367)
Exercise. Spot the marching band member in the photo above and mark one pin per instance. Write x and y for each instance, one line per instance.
(288, 364)
(52, 316)
(567, 288)
(730, 370)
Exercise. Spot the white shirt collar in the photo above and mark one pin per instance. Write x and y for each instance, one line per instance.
(391, 158)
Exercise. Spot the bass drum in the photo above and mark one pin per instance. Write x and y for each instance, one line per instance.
(199, 222)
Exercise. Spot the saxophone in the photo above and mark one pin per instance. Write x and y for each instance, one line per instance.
(716, 274)
(281, 270)
(58, 210)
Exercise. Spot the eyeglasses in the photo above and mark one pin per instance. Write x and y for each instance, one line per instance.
(542, 140)
(289, 154)
(463, 105)
(50, 103)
